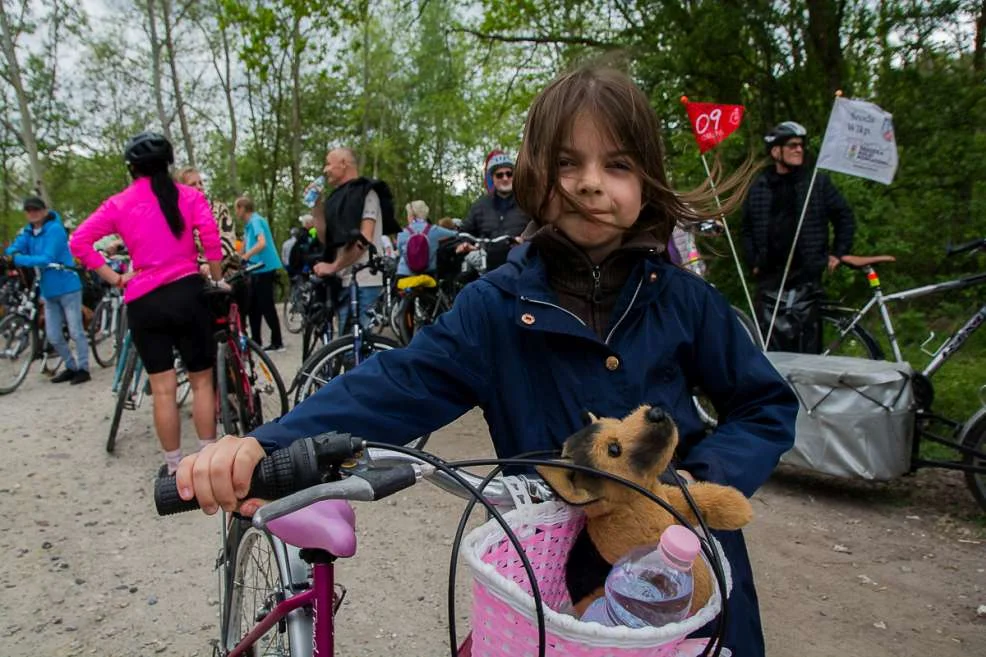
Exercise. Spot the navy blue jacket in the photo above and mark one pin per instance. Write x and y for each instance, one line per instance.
(533, 367)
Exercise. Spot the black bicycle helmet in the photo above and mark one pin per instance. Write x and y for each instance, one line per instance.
(148, 147)
(780, 133)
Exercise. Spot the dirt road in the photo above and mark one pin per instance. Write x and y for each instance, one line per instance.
(88, 569)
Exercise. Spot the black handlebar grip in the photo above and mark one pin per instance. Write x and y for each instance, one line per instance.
(284, 472)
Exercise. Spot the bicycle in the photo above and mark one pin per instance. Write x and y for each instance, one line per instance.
(249, 390)
(967, 438)
(346, 352)
(424, 297)
(108, 324)
(22, 337)
(131, 386)
(277, 599)
(293, 307)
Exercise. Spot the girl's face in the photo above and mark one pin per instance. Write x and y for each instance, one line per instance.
(601, 176)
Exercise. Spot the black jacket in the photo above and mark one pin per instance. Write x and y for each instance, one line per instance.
(825, 206)
(492, 218)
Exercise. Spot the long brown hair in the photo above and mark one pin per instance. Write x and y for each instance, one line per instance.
(626, 117)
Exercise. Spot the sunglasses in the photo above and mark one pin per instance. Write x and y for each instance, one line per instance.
(499, 175)
(794, 145)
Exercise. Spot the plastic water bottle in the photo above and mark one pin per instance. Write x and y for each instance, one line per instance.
(314, 188)
(651, 586)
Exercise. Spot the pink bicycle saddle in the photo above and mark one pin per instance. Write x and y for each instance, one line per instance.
(328, 525)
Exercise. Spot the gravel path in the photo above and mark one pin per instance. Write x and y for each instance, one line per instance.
(89, 569)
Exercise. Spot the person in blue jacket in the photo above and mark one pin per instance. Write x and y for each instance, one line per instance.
(588, 314)
(43, 242)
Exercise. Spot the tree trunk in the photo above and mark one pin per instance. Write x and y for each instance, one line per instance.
(25, 131)
(978, 56)
(176, 82)
(162, 115)
(297, 48)
(824, 44)
(365, 138)
(228, 92)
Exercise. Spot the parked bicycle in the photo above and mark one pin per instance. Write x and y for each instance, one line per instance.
(109, 324)
(131, 385)
(22, 335)
(249, 390)
(424, 297)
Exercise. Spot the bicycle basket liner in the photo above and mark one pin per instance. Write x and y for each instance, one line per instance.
(504, 622)
(855, 416)
(218, 301)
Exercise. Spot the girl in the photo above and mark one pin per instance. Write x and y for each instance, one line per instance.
(587, 314)
(157, 220)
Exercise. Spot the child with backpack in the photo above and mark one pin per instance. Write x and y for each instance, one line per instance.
(418, 242)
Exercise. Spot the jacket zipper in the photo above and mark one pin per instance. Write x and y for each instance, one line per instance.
(578, 319)
(625, 312)
(551, 305)
(594, 297)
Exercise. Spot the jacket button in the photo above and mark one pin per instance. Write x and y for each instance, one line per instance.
(527, 318)
(653, 277)
(612, 363)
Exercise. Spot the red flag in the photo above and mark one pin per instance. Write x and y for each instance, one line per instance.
(711, 122)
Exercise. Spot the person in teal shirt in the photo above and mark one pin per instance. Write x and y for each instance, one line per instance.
(259, 245)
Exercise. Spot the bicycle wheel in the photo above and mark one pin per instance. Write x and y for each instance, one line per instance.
(703, 406)
(102, 339)
(123, 396)
(293, 310)
(230, 388)
(184, 385)
(975, 438)
(857, 343)
(18, 344)
(270, 397)
(252, 587)
(337, 358)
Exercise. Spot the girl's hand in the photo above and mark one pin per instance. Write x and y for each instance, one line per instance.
(126, 278)
(219, 475)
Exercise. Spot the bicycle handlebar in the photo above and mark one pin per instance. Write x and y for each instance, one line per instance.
(968, 246)
(293, 477)
(485, 241)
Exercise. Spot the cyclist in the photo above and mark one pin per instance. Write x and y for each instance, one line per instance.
(224, 221)
(770, 218)
(356, 205)
(157, 220)
(588, 314)
(495, 214)
(43, 242)
(417, 224)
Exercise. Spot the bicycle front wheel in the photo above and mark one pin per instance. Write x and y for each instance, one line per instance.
(253, 585)
(857, 342)
(292, 311)
(102, 339)
(251, 390)
(338, 357)
(124, 396)
(18, 344)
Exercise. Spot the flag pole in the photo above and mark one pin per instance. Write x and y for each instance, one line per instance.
(790, 258)
(732, 248)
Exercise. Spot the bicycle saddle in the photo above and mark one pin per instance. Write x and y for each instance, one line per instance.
(857, 262)
(329, 525)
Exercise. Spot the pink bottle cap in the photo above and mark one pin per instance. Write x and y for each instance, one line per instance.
(681, 545)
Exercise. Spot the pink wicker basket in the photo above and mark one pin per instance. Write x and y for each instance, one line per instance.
(503, 617)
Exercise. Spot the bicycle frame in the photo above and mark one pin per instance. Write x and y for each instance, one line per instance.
(879, 299)
(319, 597)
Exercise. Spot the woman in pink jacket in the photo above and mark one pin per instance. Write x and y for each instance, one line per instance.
(156, 219)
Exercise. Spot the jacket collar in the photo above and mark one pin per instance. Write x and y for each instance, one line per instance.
(535, 305)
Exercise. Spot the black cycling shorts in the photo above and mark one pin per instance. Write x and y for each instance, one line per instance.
(174, 316)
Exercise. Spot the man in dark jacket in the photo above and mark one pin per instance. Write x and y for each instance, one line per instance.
(496, 214)
(770, 218)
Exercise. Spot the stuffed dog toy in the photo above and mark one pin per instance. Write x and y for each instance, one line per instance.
(638, 448)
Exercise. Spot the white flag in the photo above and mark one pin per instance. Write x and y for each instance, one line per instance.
(859, 141)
